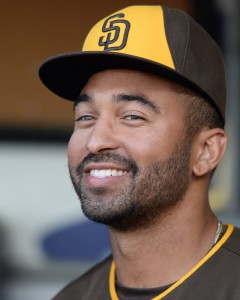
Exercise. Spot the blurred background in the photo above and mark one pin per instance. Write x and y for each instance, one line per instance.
(45, 241)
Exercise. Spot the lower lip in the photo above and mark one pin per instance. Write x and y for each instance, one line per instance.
(103, 182)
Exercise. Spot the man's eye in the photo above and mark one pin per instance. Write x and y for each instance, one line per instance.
(84, 118)
(134, 117)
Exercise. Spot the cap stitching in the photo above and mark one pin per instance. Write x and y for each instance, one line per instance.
(187, 44)
(169, 39)
(179, 63)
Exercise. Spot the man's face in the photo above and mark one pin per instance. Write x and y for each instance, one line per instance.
(128, 155)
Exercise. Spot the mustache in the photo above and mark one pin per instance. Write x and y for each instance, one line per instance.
(108, 157)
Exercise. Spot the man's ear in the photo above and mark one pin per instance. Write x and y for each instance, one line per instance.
(210, 148)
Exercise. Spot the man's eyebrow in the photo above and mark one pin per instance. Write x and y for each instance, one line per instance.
(82, 98)
(141, 99)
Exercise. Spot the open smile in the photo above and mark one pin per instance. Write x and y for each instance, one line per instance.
(100, 175)
(103, 173)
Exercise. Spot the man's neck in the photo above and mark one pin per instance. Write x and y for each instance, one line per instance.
(168, 249)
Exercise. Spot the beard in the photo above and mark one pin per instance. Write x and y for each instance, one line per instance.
(149, 194)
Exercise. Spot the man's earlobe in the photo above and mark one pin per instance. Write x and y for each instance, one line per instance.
(210, 150)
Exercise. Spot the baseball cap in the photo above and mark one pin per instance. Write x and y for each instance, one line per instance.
(156, 39)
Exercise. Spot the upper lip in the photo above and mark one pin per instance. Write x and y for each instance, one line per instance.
(103, 166)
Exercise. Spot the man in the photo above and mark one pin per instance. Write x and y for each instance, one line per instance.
(149, 92)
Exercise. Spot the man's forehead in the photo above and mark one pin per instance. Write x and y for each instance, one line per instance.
(125, 86)
(126, 78)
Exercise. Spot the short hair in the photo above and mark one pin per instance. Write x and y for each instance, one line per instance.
(199, 111)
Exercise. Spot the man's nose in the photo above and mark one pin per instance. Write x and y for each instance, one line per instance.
(102, 136)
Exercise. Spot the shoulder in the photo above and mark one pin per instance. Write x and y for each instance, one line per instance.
(96, 279)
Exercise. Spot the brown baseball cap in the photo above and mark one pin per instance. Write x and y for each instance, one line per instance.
(156, 39)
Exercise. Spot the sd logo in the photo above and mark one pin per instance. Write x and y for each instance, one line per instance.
(117, 35)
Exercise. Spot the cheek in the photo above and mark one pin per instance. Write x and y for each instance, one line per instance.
(153, 145)
(75, 150)
(146, 148)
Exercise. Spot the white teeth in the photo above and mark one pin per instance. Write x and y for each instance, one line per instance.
(114, 173)
(107, 173)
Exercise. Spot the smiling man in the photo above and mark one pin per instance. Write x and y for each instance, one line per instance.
(135, 161)
(149, 103)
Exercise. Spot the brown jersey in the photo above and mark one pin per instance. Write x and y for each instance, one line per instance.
(215, 277)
